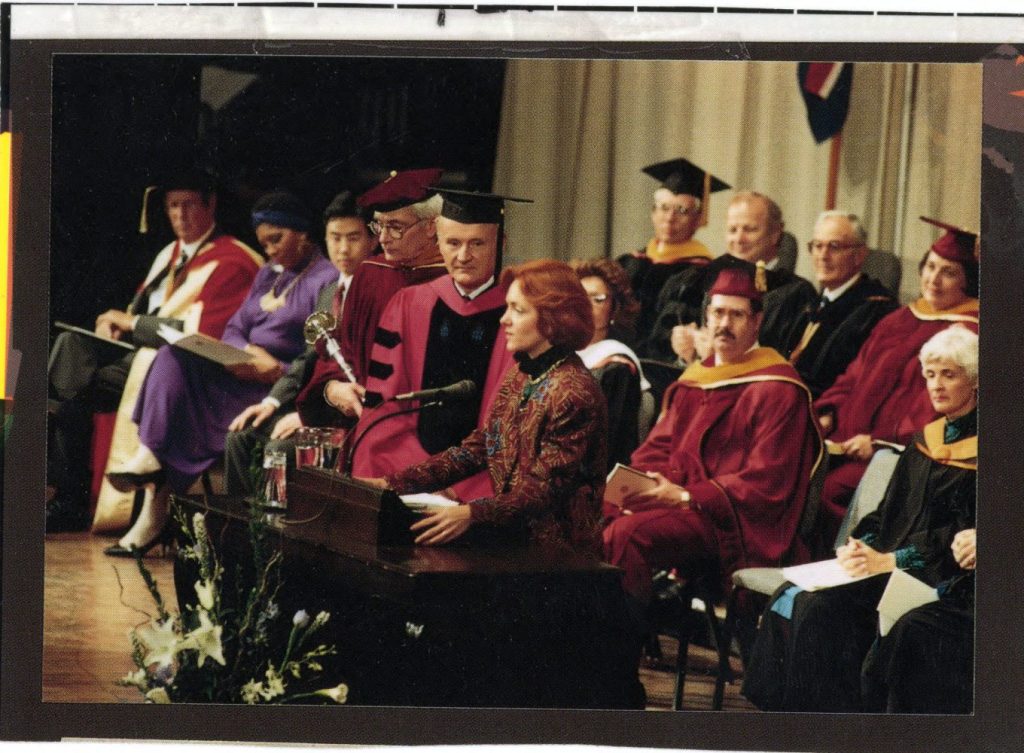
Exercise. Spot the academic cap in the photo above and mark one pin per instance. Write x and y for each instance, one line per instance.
(956, 244)
(473, 208)
(739, 282)
(682, 176)
(176, 179)
(400, 189)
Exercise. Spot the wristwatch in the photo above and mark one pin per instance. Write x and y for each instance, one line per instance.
(684, 497)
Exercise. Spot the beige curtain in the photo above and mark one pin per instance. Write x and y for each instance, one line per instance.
(575, 133)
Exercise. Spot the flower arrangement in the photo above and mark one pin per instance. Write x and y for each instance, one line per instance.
(214, 652)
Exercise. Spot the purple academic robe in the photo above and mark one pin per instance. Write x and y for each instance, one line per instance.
(186, 402)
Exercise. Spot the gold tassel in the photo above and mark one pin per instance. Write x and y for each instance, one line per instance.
(703, 220)
(143, 223)
(760, 278)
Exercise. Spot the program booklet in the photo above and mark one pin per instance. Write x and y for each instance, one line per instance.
(624, 481)
(204, 346)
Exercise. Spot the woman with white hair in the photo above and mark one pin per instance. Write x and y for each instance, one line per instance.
(810, 646)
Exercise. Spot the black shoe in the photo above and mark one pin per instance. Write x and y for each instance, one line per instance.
(65, 514)
(125, 482)
(165, 538)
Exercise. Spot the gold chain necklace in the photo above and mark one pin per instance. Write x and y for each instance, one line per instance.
(532, 382)
(272, 301)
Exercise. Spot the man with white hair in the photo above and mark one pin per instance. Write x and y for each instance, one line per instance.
(753, 232)
(404, 209)
(825, 337)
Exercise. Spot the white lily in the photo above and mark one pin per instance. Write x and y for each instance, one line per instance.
(206, 640)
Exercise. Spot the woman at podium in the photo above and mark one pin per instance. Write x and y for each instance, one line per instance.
(544, 439)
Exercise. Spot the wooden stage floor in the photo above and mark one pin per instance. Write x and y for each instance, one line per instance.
(92, 601)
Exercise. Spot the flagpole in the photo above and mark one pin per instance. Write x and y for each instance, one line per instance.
(833, 171)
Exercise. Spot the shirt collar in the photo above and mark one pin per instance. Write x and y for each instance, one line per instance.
(832, 295)
(188, 250)
(474, 293)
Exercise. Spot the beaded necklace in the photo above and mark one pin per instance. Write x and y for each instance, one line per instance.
(532, 382)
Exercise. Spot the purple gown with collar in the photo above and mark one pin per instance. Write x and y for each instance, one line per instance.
(186, 402)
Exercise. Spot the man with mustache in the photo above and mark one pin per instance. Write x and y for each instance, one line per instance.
(732, 456)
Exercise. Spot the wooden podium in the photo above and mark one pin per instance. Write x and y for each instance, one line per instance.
(471, 624)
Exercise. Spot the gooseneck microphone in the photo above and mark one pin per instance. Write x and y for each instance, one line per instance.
(461, 390)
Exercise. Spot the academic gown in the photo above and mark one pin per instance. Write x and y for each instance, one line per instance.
(374, 283)
(836, 331)
(682, 301)
(812, 660)
(882, 391)
(648, 271)
(187, 402)
(430, 336)
(741, 440)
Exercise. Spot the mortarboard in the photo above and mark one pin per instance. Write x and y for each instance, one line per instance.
(680, 176)
(956, 244)
(179, 179)
(471, 207)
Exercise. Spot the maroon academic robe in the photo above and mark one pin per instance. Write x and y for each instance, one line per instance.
(373, 284)
(397, 367)
(882, 392)
(742, 440)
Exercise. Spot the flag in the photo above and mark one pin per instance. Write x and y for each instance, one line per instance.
(826, 91)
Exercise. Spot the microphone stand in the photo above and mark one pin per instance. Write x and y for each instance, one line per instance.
(351, 449)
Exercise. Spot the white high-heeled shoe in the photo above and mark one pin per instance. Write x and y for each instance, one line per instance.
(140, 469)
(150, 528)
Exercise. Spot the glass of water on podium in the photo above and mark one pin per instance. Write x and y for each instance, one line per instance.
(307, 447)
(330, 446)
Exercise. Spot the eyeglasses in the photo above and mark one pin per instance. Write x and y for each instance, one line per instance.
(831, 246)
(598, 297)
(393, 230)
(673, 209)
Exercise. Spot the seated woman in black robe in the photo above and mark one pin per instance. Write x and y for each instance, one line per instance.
(611, 360)
(811, 645)
(925, 664)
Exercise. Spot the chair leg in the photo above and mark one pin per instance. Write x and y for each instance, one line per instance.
(724, 645)
(685, 634)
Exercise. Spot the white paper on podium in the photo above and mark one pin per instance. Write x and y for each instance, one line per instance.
(426, 502)
(815, 576)
(902, 593)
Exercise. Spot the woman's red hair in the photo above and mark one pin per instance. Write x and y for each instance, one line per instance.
(563, 310)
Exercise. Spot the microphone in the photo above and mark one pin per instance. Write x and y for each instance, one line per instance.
(458, 391)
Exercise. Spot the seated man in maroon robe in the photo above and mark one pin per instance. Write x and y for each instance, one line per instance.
(732, 454)
(433, 335)
(404, 209)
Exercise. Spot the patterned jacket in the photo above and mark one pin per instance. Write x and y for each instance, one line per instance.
(544, 444)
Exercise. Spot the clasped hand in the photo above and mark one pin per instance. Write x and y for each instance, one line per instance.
(438, 527)
(859, 559)
(965, 550)
(663, 494)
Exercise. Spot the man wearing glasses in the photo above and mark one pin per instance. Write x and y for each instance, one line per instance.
(827, 335)
(437, 334)
(753, 231)
(679, 210)
(404, 209)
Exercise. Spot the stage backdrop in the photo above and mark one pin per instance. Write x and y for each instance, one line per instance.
(574, 135)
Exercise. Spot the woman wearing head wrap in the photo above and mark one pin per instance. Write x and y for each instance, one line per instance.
(186, 402)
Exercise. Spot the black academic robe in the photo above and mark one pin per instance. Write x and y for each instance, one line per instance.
(925, 665)
(647, 279)
(839, 329)
(681, 301)
(812, 661)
